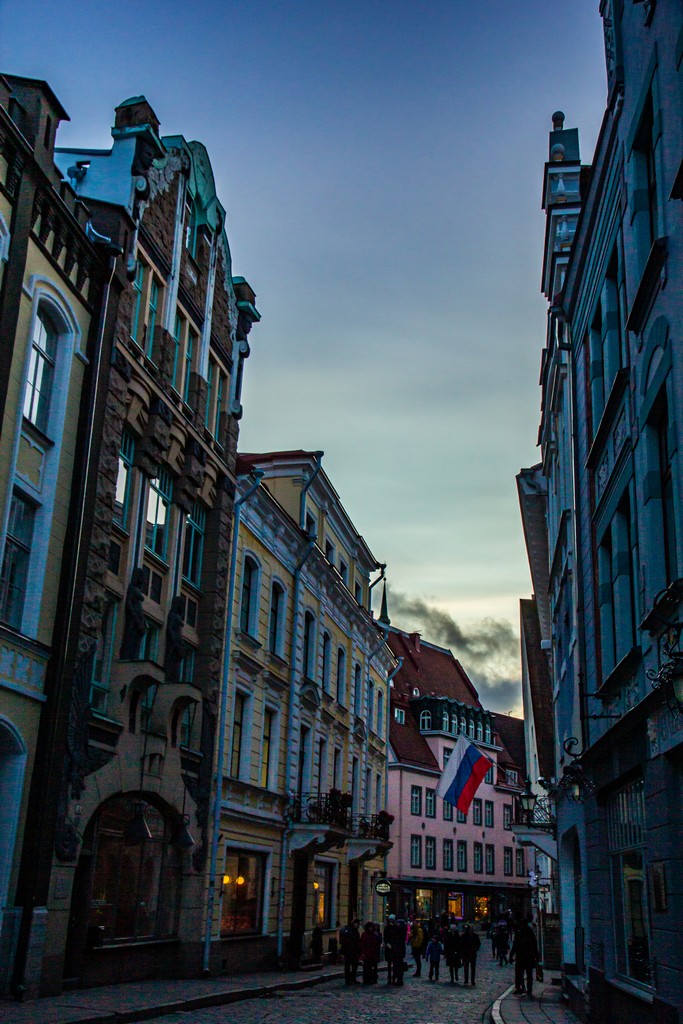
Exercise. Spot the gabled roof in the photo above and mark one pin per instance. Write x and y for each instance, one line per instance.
(539, 685)
(511, 733)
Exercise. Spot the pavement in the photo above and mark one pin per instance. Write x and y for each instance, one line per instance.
(317, 997)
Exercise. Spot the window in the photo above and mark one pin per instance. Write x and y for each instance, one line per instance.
(327, 658)
(99, 684)
(520, 867)
(447, 811)
(470, 729)
(336, 768)
(276, 623)
(487, 734)
(358, 591)
(476, 811)
(135, 326)
(210, 386)
(266, 747)
(379, 802)
(15, 562)
(178, 330)
(190, 349)
(219, 409)
(626, 844)
(329, 551)
(237, 730)
(445, 721)
(507, 860)
(158, 514)
(463, 724)
(430, 852)
(135, 889)
(512, 777)
(507, 817)
(124, 478)
(461, 817)
(41, 371)
(477, 859)
(152, 316)
(355, 784)
(645, 196)
(242, 903)
(488, 813)
(430, 803)
(249, 599)
(322, 765)
(323, 891)
(425, 720)
(490, 775)
(357, 690)
(341, 675)
(666, 487)
(480, 731)
(193, 552)
(490, 854)
(380, 713)
(370, 714)
(343, 570)
(309, 645)
(416, 851)
(147, 701)
(400, 716)
(448, 854)
(462, 854)
(416, 800)
(616, 592)
(447, 751)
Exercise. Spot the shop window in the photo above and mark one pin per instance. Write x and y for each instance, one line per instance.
(626, 843)
(323, 892)
(242, 903)
(135, 892)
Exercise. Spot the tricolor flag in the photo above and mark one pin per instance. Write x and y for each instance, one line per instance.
(462, 776)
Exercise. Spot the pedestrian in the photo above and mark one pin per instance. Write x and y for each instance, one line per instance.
(501, 943)
(470, 944)
(451, 946)
(416, 945)
(390, 934)
(395, 949)
(369, 954)
(349, 942)
(434, 954)
(524, 955)
(491, 934)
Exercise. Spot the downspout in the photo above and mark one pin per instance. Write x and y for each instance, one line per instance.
(304, 489)
(397, 668)
(225, 686)
(296, 615)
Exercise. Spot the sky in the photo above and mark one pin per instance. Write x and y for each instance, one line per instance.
(381, 164)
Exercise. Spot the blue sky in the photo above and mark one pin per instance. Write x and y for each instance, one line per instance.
(381, 168)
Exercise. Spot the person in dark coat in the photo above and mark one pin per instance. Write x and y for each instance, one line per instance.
(369, 954)
(470, 944)
(524, 954)
(451, 945)
(395, 949)
(349, 942)
(501, 943)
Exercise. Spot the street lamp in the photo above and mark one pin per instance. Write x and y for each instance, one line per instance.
(527, 801)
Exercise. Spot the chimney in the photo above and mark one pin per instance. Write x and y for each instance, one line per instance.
(415, 637)
(134, 113)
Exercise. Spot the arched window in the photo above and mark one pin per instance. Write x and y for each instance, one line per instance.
(327, 658)
(276, 625)
(357, 689)
(454, 722)
(425, 720)
(463, 725)
(480, 731)
(248, 608)
(341, 675)
(371, 704)
(445, 721)
(136, 884)
(41, 370)
(470, 729)
(380, 713)
(487, 734)
(309, 645)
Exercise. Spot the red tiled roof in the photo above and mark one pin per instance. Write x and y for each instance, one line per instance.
(511, 735)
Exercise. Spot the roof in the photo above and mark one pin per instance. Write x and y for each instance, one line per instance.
(531, 487)
(511, 733)
(539, 685)
(432, 670)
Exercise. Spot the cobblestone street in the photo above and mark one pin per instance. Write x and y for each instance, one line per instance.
(418, 1002)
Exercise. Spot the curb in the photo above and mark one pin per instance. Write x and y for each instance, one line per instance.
(495, 1009)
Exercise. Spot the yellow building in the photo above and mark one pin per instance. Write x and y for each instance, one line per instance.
(303, 832)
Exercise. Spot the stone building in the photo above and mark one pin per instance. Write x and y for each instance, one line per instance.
(128, 737)
(53, 296)
(303, 830)
(611, 415)
(468, 865)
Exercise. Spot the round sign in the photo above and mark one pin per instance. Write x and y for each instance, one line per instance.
(383, 887)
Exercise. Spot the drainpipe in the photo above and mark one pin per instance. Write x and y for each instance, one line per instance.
(307, 484)
(290, 718)
(225, 686)
(397, 668)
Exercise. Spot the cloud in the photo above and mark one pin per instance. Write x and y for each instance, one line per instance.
(488, 649)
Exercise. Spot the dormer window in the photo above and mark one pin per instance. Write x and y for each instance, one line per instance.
(425, 720)
(445, 721)
(416, 691)
(400, 716)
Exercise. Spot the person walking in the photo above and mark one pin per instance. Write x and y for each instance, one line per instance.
(451, 948)
(369, 954)
(502, 944)
(394, 949)
(434, 954)
(470, 944)
(524, 955)
(349, 943)
(417, 937)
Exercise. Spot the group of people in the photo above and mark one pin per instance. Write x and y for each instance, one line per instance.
(512, 941)
(523, 952)
(427, 940)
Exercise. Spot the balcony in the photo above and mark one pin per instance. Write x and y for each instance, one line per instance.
(321, 821)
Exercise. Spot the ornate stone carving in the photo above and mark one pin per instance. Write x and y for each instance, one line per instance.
(156, 439)
(176, 648)
(135, 624)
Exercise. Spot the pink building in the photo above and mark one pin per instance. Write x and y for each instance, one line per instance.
(442, 860)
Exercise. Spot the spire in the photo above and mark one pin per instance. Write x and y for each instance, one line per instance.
(384, 619)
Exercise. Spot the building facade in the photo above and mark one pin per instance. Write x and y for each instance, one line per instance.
(303, 827)
(442, 861)
(113, 875)
(609, 432)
